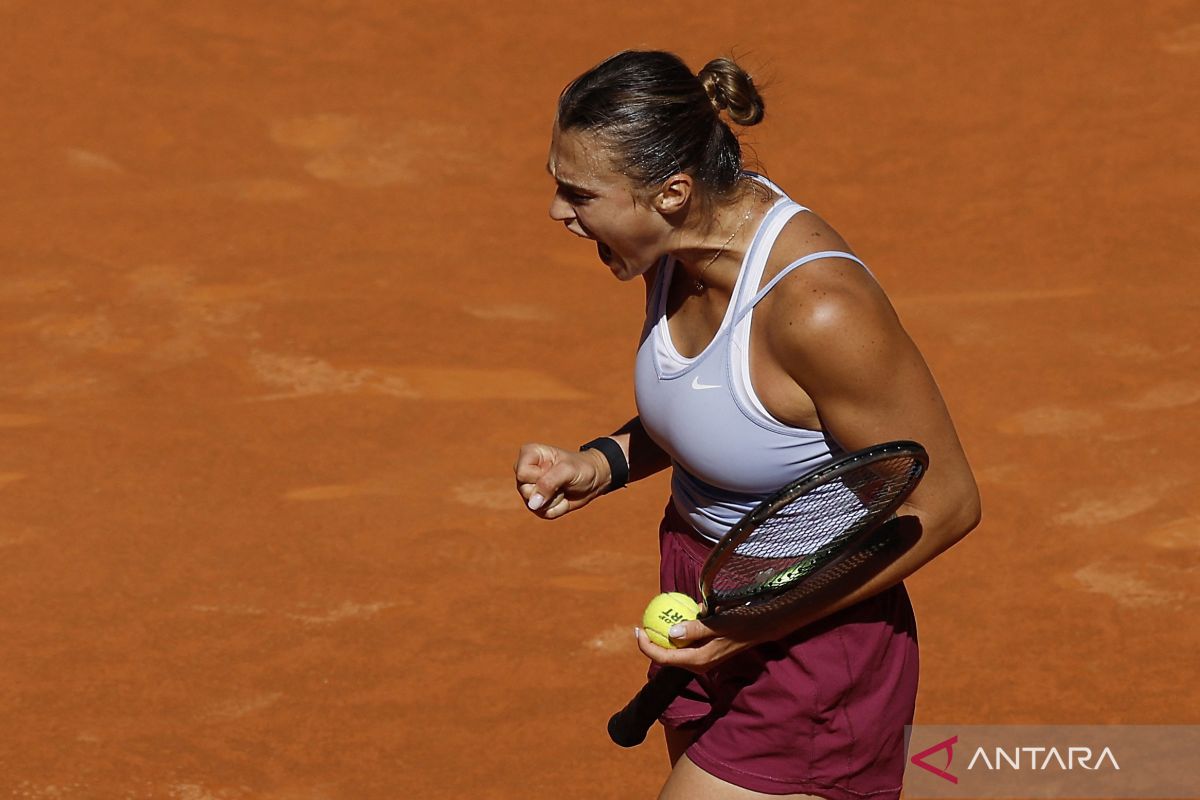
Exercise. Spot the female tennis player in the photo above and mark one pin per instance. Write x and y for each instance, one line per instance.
(768, 349)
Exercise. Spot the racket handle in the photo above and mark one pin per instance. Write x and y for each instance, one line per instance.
(628, 727)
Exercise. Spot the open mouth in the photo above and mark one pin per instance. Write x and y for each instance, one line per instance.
(604, 251)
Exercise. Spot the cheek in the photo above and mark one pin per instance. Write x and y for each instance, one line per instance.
(642, 242)
(629, 232)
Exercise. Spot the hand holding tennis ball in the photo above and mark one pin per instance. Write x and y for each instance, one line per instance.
(664, 611)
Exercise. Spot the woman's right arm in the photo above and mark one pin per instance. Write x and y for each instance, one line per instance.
(553, 481)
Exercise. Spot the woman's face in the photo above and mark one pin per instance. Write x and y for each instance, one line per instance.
(595, 201)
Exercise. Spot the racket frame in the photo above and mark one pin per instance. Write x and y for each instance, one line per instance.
(725, 548)
(629, 726)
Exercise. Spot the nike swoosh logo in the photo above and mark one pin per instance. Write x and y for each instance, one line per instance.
(696, 384)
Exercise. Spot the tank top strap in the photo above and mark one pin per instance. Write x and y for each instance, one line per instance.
(769, 229)
(659, 285)
(654, 297)
(760, 249)
(783, 273)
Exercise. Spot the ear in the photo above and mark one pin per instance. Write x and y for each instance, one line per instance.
(674, 195)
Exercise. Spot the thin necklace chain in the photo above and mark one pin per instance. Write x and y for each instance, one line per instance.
(700, 278)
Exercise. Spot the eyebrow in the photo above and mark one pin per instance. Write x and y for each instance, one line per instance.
(567, 184)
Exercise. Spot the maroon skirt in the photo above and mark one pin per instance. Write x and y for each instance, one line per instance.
(819, 712)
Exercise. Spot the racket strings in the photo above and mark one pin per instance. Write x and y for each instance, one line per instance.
(856, 560)
(802, 534)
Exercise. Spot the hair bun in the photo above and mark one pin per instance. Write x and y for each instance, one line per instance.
(731, 89)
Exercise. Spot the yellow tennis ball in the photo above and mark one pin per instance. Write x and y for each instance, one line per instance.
(664, 611)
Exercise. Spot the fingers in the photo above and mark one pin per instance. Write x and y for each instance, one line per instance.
(532, 472)
(690, 658)
(552, 508)
(555, 507)
(532, 461)
(689, 632)
(553, 481)
(649, 649)
(694, 648)
(551, 484)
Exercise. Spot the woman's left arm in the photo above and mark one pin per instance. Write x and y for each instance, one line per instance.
(835, 335)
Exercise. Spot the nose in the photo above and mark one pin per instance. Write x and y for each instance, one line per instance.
(560, 209)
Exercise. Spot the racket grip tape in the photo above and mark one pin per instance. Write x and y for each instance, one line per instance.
(629, 726)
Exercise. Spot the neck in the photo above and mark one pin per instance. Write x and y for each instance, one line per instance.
(711, 250)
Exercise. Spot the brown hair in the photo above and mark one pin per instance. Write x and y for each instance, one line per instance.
(660, 119)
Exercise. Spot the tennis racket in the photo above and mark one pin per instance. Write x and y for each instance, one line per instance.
(805, 536)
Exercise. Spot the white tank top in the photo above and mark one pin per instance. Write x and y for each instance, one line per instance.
(727, 451)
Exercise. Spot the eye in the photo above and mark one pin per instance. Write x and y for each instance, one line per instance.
(573, 197)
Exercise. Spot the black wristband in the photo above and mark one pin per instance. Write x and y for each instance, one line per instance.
(618, 465)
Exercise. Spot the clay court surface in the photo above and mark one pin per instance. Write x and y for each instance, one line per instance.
(279, 301)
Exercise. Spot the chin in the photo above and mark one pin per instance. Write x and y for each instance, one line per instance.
(626, 271)
(618, 265)
(623, 272)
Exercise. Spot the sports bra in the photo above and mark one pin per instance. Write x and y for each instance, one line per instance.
(727, 451)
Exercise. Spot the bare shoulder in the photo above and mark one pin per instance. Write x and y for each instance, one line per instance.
(830, 329)
(831, 298)
(806, 232)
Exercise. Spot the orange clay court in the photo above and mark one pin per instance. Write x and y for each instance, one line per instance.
(280, 300)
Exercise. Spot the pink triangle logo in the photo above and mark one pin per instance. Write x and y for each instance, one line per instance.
(948, 746)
